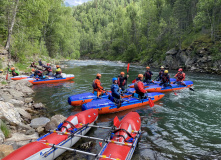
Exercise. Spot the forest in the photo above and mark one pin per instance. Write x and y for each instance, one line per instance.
(127, 30)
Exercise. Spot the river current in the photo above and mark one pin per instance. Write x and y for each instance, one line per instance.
(183, 126)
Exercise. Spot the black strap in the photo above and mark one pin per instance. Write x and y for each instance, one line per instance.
(69, 123)
(123, 131)
(65, 128)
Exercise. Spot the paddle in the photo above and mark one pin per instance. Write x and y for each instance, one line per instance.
(191, 89)
(151, 102)
(134, 81)
(173, 90)
(128, 67)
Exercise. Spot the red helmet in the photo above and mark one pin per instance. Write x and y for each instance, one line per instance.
(180, 70)
(48, 64)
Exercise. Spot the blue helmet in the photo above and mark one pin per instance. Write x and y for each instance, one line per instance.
(114, 79)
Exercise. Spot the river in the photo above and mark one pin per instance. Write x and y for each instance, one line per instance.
(182, 126)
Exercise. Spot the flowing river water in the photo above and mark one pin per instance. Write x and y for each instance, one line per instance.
(186, 126)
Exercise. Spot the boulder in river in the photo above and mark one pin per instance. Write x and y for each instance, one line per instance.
(55, 121)
(39, 122)
(38, 106)
(9, 113)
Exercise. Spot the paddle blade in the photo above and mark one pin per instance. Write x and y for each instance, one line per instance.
(191, 89)
(175, 93)
(100, 143)
(134, 81)
(128, 66)
(6, 76)
(151, 102)
(116, 121)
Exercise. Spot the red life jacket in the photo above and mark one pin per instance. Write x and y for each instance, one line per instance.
(49, 69)
(118, 81)
(161, 73)
(180, 76)
(147, 75)
(137, 84)
(165, 78)
(39, 73)
(14, 73)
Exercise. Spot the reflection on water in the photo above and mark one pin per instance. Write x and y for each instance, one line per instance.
(186, 126)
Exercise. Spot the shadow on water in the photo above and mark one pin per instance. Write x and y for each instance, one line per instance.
(186, 126)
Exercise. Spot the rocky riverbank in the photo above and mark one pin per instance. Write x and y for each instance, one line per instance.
(20, 117)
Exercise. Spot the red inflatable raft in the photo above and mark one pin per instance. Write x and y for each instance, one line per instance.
(124, 139)
(63, 136)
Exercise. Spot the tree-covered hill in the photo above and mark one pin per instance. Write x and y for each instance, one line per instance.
(143, 30)
(128, 30)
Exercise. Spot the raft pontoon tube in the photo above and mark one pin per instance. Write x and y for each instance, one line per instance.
(107, 106)
(63, 136)
(127, 133)
(150, 84)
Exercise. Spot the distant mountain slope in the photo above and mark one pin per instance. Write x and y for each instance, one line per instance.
(69, 3)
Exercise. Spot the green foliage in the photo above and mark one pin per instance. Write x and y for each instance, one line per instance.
(4, 129)
(3, 82)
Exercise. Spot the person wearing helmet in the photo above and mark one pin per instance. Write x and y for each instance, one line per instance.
(139, 86)
(122, 80)
(97, 88)
(115, 88)
(180, 77)
(48, 69)
(58, 72)
(161, 73)
(148, 74)
(14, 72)
(165, 80)
(115, 92)
(37, 74)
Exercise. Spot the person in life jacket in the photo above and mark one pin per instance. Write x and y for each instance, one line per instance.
(165, 80)
(161, 73)
(37, 74)
(148, 75)
(122, 80)
(58, 72)
(115, 92)
(180, 77)
(139, 86)
(48, 69)
(33, 64)
(97, 88)
(14, 72)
